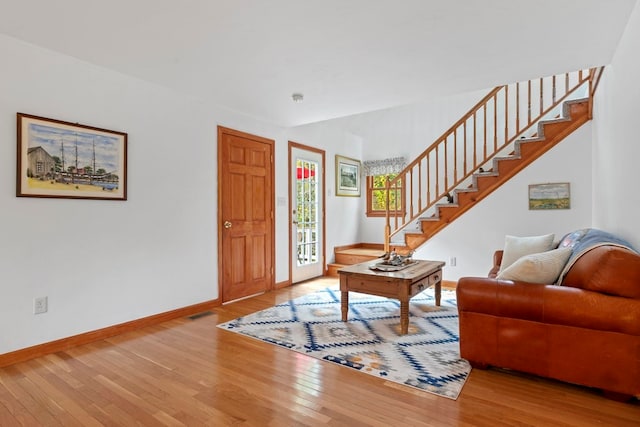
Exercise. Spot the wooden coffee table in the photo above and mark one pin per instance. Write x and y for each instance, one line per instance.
(401, 285)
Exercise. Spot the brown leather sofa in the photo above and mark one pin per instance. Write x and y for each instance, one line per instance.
(586, 331)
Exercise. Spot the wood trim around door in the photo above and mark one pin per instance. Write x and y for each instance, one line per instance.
(293, 144)
(221, 131)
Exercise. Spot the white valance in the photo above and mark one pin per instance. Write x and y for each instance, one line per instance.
(383, 167)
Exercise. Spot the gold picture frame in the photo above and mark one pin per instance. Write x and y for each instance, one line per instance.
(58, 159)
(348, 176)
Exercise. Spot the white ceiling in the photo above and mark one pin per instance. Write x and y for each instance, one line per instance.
(345, 56)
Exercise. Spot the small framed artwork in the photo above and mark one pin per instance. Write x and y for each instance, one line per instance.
(549, 196)
(347, 176)
(70, 161)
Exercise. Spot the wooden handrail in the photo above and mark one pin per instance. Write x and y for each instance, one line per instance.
(594, 80)
(596, 74)
(452, 128)
(487, 129)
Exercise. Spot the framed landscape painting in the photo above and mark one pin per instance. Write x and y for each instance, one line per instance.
(69, 160)
(347, 176)
(549, 196)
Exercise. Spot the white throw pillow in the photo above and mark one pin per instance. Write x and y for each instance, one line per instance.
(517, 247)
(543, 267)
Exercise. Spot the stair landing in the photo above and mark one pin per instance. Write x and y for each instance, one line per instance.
(354, 254)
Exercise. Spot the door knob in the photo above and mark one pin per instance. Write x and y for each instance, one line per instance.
(227, 224)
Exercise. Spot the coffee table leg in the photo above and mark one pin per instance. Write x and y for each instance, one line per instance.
(404, 317)
(438, 289)
(344, 304)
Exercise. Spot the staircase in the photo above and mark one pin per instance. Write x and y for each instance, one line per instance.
(484, 183)
(505, 132)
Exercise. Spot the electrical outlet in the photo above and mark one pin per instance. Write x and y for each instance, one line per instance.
(452, 261)
(40, 305)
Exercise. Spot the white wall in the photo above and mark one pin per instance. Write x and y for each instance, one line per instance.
(105, 262)
(407, 130)
(616, 151)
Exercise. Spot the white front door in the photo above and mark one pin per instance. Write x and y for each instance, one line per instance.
(307, 214)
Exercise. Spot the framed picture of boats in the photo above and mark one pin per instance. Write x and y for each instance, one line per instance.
(69, 160)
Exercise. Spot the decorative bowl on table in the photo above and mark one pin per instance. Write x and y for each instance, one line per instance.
(393, 262)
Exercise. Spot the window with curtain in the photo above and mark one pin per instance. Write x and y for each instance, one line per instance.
(377, 172)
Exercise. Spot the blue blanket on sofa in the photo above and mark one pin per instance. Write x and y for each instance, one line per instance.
(582, 241)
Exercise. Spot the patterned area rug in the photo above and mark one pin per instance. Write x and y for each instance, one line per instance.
(427, 358)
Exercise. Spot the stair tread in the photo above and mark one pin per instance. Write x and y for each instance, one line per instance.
(362, 251)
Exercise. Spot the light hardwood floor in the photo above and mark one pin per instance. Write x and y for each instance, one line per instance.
(188, 372)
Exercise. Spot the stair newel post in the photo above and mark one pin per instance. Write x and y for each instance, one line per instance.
(387, 227)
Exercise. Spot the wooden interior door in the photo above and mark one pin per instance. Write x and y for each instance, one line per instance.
(245, 214)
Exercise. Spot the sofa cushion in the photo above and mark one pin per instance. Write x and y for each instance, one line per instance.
(517, 247)
(544, 267)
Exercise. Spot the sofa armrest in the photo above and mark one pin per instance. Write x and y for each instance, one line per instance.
(503, 298)
(497, 260)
